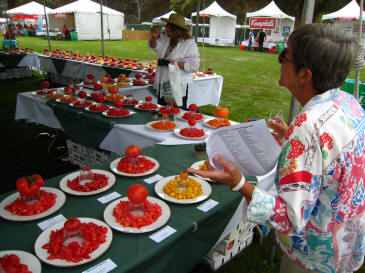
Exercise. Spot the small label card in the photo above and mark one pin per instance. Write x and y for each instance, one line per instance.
(208, 205)
(108, 197)
(162, 234)
(106, 266)
(153, 179)
(50, 222)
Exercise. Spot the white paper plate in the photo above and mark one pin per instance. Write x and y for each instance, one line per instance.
(137, 107)
(60, 200)
(72, 104)
(180, 116)
(169, 114)
(105, 113)
(88, 109)
(196, 165)
(43, 238)
(114, 165)
(34, 265)
(177, 133)
(71, 176)
(149, 126)
(206, 188)
(162, 220)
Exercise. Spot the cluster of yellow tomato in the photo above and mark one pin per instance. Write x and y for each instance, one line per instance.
(203, 167)
(191, 190)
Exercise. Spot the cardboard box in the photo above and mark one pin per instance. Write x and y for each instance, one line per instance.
(231, 245)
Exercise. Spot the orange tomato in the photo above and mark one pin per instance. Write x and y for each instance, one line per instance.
(104, 79)
(221, 112)
(113, 89)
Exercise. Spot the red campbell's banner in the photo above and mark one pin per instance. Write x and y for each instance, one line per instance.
(267, 23)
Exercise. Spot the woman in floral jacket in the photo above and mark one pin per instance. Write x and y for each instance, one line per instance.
(319, 213)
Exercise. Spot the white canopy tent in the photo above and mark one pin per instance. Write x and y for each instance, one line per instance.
(166, 16)
(285, 25)
(222, 25)
(30, 10)
(348, 18)
(84, 17)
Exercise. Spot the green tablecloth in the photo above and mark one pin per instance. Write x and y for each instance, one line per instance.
(196, 231)
(88, 128)
(11, 60)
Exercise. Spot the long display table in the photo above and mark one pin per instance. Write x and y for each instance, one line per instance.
(196, 231)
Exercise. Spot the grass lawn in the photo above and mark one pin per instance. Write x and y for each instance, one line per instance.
(250, 90)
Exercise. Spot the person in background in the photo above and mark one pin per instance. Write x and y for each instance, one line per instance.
(176, 46)
(262, 38)
(251, 39)
(10, 33)
(65, 32)
(319, 213)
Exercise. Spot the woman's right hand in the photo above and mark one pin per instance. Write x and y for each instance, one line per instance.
(155, 32)
(279, 127)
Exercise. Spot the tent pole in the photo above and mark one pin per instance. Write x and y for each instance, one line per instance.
(307, 18)
(45, 16)
(197, 21)
(102, 28)
(357, 75)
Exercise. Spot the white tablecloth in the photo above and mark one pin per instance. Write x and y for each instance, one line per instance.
(256, 44)
(30, 59)
(33, 108)
(218, 42)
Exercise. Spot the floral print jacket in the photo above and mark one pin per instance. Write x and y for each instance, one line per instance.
(319, 213)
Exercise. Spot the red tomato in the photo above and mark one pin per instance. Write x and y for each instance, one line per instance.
(137, 193)
(90, 76)
(192, 122)
(118, 103)
(193, 107)
(45, 84)
(82, 94)
(148, 98)
(28, 186)
(133, 151)
(72, 224)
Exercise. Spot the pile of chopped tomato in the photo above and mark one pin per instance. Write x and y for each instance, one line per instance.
(84, 103)
(164, 125)
(192, 115)
(19, 207)
(142, 166)
(219, 122)
(174, 189)
(98, 108)
(122, 214)
(11, 263)
(192, 132)
(92, 234)
(68, 99)
(148, 106)
(130, 102)
(113, 97)
(169, 110)
(99, 181)
(120, 112)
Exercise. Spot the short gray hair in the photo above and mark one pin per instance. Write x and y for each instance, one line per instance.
(328, 51)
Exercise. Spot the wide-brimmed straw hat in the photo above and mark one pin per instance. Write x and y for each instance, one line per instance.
(176, 19)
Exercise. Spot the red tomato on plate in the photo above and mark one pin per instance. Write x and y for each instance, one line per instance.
(137, 193)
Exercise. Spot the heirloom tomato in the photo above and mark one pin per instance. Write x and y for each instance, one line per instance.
(72, 224)
(133, 151)
(137, 193)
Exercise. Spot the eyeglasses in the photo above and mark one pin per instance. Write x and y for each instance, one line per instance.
(282, 57)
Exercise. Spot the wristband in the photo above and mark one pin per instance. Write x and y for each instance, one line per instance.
(240, 184)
